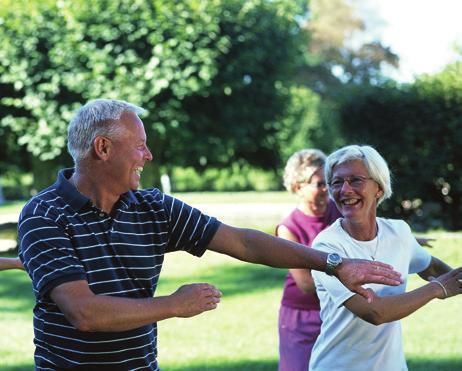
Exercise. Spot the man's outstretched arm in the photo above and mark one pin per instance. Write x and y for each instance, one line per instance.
(257, 247)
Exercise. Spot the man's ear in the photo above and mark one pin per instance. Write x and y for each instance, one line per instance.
(102, 147)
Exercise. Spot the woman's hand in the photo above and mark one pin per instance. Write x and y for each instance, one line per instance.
(450, 283)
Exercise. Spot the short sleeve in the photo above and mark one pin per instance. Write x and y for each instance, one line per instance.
(189, 229)
(46, 252)
(420, 258)
(329, 288)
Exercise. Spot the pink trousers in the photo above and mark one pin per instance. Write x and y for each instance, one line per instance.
(298, 330)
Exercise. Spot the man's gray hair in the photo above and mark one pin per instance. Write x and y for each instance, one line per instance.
(97, 117)
(372, 160)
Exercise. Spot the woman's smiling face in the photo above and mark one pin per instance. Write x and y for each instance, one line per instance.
(354, 191)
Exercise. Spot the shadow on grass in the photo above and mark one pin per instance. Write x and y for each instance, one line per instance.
(442, 364)
(22, 367)
(17, 287)
(234, 366)
(233, 280)
(413, 365)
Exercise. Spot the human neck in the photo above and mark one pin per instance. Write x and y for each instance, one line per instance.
(89, 184)
(311, 210)
(361, 231)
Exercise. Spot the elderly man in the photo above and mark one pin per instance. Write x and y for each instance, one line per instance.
(94, 244)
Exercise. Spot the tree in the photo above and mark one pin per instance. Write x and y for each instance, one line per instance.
(210, 73)
(334, 60)
(417, 128)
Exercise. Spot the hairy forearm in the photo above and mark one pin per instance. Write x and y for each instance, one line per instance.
(111, 314)
(258, 247)
(90, 312)
(277, 252)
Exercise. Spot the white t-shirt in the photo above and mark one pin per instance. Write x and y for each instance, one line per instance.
(346, 341)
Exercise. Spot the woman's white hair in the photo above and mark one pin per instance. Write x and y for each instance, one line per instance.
(372, 160)
(97, 117)
(301, 166)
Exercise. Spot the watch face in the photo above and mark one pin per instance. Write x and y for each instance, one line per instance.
(335, 259)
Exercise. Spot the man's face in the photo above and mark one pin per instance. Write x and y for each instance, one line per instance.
(129, 152)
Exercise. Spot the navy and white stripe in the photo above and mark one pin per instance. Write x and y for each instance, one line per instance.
(64, 238)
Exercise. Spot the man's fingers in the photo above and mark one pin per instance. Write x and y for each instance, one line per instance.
(368, 294)
(382, 279)
(380, 265)
(212, 292)
(383, 273)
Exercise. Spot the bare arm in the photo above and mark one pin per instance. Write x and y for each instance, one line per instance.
(258, 247)
(435, 269)
(391, 308)
(89, 312)
(10, 263)
(302, 277)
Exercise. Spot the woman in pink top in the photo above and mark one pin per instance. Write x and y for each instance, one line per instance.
(299, 322)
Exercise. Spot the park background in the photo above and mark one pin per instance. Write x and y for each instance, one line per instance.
(232, 88)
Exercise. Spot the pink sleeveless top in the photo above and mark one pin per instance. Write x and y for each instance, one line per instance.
(305, 228)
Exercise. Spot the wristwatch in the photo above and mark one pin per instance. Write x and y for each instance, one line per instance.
(333, 261)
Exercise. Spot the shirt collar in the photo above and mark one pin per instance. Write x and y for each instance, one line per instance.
(77, 200)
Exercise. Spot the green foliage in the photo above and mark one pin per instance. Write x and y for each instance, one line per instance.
(233, 178)
(309, 122)
(210, 73)
(417, 129)
(333, 60)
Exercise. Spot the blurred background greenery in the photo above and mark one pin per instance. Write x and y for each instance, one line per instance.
(232, 87)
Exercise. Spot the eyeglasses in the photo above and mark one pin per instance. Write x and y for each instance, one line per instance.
(356, 182)
(318, 185)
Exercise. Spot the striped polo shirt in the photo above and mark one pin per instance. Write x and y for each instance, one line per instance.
(63, 237)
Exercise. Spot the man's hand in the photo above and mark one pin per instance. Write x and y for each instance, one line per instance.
(355, 272)
(195, 298)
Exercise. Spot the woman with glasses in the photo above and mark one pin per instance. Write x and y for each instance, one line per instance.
(357, 334)
(299, 322)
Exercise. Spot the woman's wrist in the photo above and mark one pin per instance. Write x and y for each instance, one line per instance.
(442, 289)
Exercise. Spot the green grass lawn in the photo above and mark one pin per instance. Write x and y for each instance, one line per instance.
(241, 334)
(10, 207)
(236, 197)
